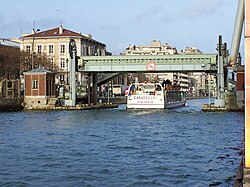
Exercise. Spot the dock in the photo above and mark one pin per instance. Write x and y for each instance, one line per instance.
(212, 108)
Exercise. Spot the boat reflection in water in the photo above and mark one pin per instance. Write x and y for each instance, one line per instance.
(154, 95)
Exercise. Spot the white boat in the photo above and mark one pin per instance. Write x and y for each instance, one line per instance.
(153, 95)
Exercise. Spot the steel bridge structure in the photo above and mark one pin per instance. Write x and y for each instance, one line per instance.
(148, 63)
(117, 65)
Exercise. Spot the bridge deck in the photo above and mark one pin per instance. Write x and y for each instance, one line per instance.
(148, 63)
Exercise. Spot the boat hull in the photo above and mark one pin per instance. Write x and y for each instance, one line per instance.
(135, 102)
(176, 104)
(147, 101)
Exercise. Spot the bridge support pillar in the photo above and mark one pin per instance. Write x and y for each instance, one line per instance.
(94, 88)
(89, 88)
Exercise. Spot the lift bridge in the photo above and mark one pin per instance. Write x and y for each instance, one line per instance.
(117, 65)
(148, 63)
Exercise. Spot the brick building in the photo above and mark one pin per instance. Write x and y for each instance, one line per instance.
(39, 87)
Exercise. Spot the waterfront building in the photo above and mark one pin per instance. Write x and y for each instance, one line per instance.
(9, 71)
(53, 44)
(202, 83)
(39, 87)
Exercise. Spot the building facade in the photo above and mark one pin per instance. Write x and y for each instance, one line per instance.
(53, 44)
(155, 48)
(39, 87)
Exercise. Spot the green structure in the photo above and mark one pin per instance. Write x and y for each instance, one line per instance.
(148, 63)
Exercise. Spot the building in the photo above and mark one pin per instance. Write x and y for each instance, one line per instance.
(9, 43)
(156, 48)
(39, 87)
(191, 50)
(10, 67)
(53, 44)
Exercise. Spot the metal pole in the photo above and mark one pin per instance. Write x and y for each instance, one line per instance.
(238, 25)
(220, 102)
(72, 51)
(73, 78)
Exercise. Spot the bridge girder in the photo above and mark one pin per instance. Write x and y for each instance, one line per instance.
(148, 63)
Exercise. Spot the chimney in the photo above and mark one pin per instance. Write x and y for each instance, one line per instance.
(88, 35)
(60, 29)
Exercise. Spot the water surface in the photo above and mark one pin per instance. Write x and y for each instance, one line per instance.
(119, 147)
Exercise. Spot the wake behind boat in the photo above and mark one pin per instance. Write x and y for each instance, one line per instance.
(154, 95)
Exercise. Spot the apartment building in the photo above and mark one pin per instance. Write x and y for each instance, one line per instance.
(54, 44)
(155, 48)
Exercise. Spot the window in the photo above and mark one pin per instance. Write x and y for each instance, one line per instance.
(39, 49)
(35, 84)
(51, 49)
(61, 77)
(10, 85)
(62, 49)
(62, 63)
(51, 62)
(28, 48)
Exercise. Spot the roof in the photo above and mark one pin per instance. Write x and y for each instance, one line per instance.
(39, 70)
(55, 32)
(9, 43)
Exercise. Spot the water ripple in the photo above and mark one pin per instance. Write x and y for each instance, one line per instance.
(119, 147)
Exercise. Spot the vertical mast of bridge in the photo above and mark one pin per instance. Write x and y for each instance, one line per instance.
(238, 26)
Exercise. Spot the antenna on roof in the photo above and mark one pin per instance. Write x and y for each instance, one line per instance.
(58, 17)
(34, 25)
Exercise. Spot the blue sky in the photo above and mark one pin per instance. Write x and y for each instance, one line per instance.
(118, 23)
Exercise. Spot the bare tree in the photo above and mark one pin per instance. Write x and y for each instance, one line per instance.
(28, 61)
(9, 62)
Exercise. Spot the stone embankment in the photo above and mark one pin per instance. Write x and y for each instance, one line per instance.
(10, 104)
(77, 107)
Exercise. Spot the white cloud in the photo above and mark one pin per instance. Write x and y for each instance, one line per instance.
(149, 13)
(201, 8)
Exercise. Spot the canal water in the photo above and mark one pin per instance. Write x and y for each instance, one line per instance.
(119, 147)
